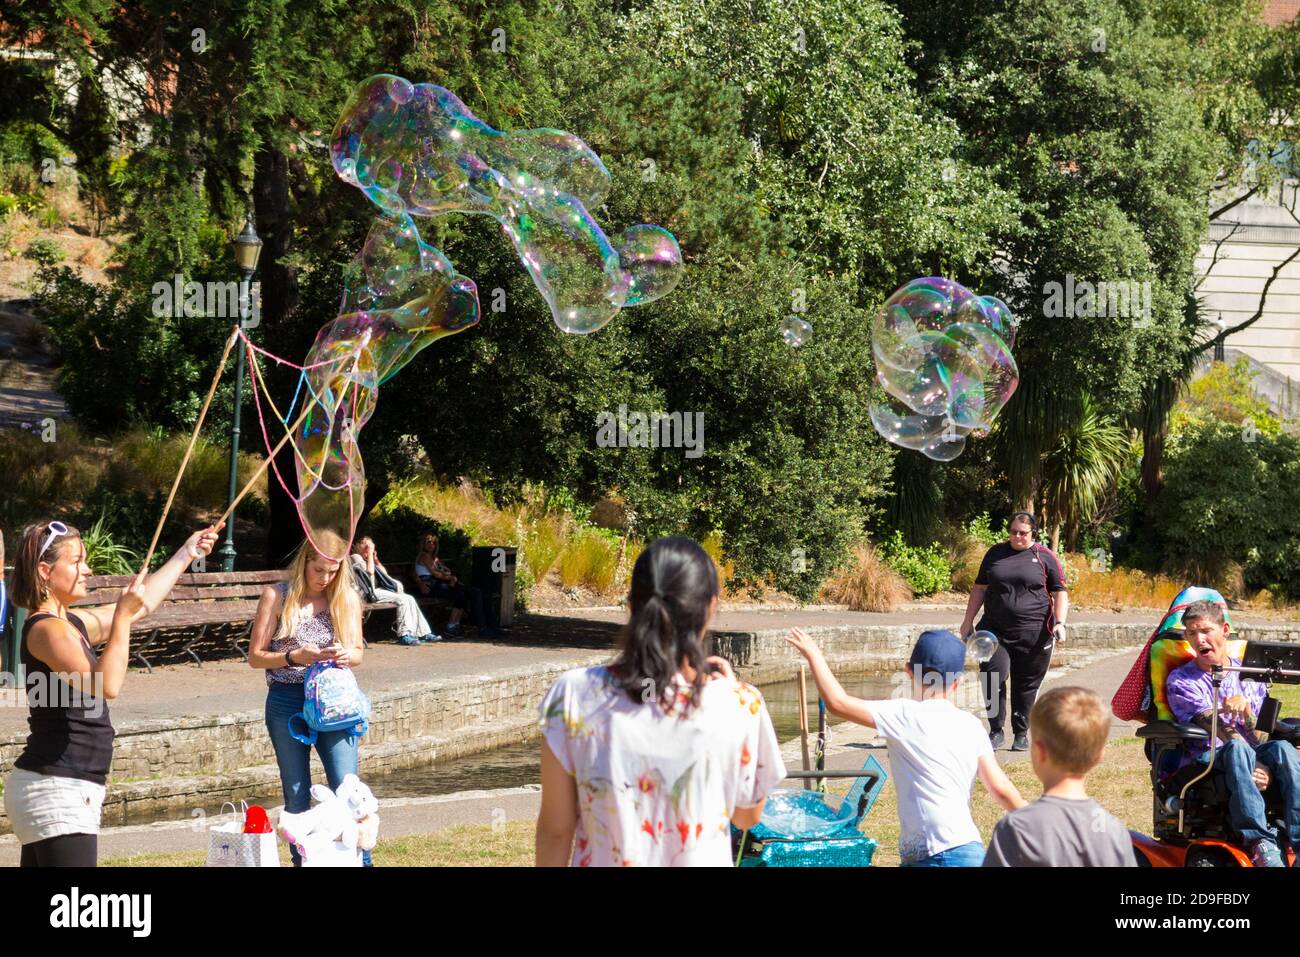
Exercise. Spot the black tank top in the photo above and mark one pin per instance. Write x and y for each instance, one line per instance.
(71, 735)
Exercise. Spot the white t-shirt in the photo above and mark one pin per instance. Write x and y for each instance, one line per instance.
(656, 788)
(934, 750)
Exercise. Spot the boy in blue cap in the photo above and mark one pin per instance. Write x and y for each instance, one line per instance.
(935, 750)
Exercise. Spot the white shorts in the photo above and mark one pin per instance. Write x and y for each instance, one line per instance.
(43, 805)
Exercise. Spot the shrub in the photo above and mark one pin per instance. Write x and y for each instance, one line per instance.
(45, 251)
(591, 559)
(1118, 587)
(867, 583)
(926, 570)
(1226, 498)
(105, 555)
(542, 546)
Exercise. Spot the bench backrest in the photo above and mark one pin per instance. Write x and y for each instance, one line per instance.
(192, 586)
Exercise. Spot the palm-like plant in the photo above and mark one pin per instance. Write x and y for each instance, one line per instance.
(1087, 459)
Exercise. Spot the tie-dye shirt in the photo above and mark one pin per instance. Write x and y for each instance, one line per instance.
(656, 788)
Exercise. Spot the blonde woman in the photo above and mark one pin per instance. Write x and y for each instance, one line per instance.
(314, 616)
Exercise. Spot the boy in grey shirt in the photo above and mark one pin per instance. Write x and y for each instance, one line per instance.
(1064, 828)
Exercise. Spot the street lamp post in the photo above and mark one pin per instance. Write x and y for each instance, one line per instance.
(247, 250)
(1218, 341)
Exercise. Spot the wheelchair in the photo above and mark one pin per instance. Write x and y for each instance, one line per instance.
(1190, 820)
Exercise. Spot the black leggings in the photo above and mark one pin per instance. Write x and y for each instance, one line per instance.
(66, 850)
(1027, 667)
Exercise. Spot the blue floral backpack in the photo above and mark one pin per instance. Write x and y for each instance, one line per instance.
(334, 703)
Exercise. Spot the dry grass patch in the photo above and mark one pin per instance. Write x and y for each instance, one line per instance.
(867, 583)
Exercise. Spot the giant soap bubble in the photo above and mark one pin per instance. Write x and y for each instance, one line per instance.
(416, 149)
(944, 355)
(401, 295)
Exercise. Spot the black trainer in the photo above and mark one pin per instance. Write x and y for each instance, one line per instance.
(1021, 743)
(997, 739)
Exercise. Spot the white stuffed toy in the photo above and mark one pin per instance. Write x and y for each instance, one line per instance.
(364, 809)
(337, 829)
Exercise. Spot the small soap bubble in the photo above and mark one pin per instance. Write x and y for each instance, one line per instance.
(982, 645)
(795, 330)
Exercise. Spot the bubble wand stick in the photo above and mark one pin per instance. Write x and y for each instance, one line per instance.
(185, 461)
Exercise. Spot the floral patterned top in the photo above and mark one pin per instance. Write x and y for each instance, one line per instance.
(316, 631)
(658, 788)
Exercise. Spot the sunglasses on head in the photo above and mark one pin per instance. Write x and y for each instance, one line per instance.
(55, 530)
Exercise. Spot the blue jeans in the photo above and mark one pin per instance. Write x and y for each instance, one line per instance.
(1237, 760)
(963, 855)
(337, 750)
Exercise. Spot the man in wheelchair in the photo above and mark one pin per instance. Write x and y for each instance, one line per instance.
(1250, 766)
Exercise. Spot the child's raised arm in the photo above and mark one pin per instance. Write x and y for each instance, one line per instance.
(838, 702)
(998, 784)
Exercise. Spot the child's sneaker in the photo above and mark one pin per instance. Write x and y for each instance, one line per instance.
(430, 638)
(455, 629)
(409, 640)
(1265, 853)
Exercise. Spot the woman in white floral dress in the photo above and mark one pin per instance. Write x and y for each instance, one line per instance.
(647, 760)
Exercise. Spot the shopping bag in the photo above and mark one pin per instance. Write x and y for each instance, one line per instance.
(229, 846)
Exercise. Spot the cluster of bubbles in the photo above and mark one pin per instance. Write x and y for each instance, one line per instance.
(416, 150)
(944, 355)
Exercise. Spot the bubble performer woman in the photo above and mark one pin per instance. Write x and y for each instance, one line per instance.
(55, 792)
(1021, 587)
(650, 759)
(314, 616)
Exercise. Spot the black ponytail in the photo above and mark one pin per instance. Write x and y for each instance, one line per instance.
(674, 583)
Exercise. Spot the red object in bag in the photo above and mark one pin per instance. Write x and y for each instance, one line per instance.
(255, 821)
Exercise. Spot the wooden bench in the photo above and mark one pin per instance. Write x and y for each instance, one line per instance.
(200, 600)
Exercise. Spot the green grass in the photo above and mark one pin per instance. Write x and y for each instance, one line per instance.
(470, 845)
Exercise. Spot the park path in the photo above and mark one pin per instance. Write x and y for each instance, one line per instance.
(28, 378)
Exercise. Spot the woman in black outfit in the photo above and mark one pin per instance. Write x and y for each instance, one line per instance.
(55, 791)
(1021, 586)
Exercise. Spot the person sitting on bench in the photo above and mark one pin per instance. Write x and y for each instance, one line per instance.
(1249, 766)
(377, 585)
(435, 579)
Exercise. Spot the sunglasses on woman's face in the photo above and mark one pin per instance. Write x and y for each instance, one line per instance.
(55, 529)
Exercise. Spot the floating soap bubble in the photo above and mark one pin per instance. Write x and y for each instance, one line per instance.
(651, 261)
(944, 356)
(400, 295)
(417, 150)
(795, 330)
(982, 645)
